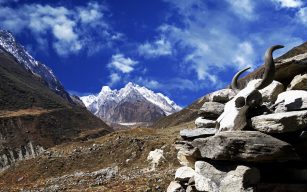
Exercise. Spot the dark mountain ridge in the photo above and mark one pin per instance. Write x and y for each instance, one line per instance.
(33, 116)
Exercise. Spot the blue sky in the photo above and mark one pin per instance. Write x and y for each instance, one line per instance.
(182, 48)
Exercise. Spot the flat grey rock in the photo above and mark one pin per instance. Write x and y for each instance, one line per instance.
(293, 100)
(231, 178)
(247, 146)
(222, 96)
(211, 110)
(197, 133)
(201, 122)
(280, 122)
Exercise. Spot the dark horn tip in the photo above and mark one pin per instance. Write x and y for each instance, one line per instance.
(277, 47)
(234, 83)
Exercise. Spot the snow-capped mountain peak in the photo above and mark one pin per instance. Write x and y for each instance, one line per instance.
(104, 103)
(105, 89)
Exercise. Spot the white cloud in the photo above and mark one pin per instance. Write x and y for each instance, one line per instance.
(114, 78)
(149, 83)
(120, 63)
(210, 50)
(244, 56)
(302, 15)
(92, 14)
(72, 29)
(160, 47)
(288, 3)
(243, 8)
(211, 45)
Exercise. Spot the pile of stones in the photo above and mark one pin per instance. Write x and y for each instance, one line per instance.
(269, 154)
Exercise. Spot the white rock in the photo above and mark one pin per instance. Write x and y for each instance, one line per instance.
(291, 101)
(222, 96)
(155, 157)
(270, 93)
(299, 82)
(201, 122)
(215, 179)
(280, 122)
(174, 187)
(184, 173)
(290, 96)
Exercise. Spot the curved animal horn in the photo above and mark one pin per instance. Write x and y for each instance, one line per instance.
(234, 82)
(269, 67)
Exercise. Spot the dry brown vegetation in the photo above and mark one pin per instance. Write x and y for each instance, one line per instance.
(128, 150)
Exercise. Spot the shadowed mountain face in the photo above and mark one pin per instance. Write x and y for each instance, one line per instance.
(9, 45)
(135, 108)
(32, 116)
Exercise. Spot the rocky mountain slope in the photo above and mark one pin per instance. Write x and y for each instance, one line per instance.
(112, 163)
(33, 117)
(131, 104)
(9, 45)
(288, 65)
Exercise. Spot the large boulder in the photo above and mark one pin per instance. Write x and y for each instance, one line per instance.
(197, 133)
(187, 154)
(248, 146)
(201, 122)
(270, 93)
(299, 82)
(222, 96)
(215, 178)
(280, 122)
(211, 110)
(183, 174)
(292, 100)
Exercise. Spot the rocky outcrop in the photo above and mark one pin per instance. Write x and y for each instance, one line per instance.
(269, 149)
(248, 146)
(10, 156)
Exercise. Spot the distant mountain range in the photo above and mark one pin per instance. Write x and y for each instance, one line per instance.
(131, 104)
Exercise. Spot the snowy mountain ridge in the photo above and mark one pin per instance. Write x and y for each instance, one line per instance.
(103, 104)
(9, 45)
